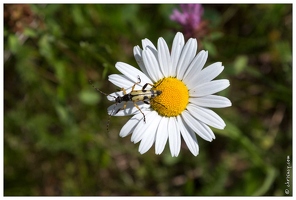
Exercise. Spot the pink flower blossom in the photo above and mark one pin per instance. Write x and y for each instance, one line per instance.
(190, 17)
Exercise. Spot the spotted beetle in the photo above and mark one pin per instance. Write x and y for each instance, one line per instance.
(134, 96)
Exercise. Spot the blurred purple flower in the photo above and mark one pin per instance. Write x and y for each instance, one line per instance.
(190, 16)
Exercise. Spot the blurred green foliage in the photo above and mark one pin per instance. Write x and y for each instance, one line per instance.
(55, 138)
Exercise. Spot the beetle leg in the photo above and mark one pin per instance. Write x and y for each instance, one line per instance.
(137, 83)
(140, 111)
(143, 88)
(124, 91)
(139, 79)
(123, 108)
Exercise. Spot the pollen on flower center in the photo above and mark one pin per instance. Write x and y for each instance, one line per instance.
(174, 97)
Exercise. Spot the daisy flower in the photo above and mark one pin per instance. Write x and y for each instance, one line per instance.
(187, 93)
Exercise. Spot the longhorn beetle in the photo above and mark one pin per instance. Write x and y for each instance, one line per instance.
(134, 96)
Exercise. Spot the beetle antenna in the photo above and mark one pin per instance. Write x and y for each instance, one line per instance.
(90, 82)
(108, 122)
(160, 104)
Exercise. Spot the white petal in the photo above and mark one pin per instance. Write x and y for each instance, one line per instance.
(113, 109)
(211, 101)
(208, 73)
(132, 73)
(130, 109)
(194, 68)
(161, 135)
(139, 59)
(164, 57)
(146, 43)
(177, 47)
(114, 95)
(207, 116)
(209, 88)
(188, 136)
(187, 55)
(152, 65)
(129, 127)
(120, 80)
(207, 129)
(174, 137)
(140, 129)
(149, 134)
(197, 127)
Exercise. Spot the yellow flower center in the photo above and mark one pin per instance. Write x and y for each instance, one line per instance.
(174, 97)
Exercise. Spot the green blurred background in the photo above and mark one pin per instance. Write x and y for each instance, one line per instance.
(55, 137)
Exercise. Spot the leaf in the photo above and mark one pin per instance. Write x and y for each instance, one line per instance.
(88, 97)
